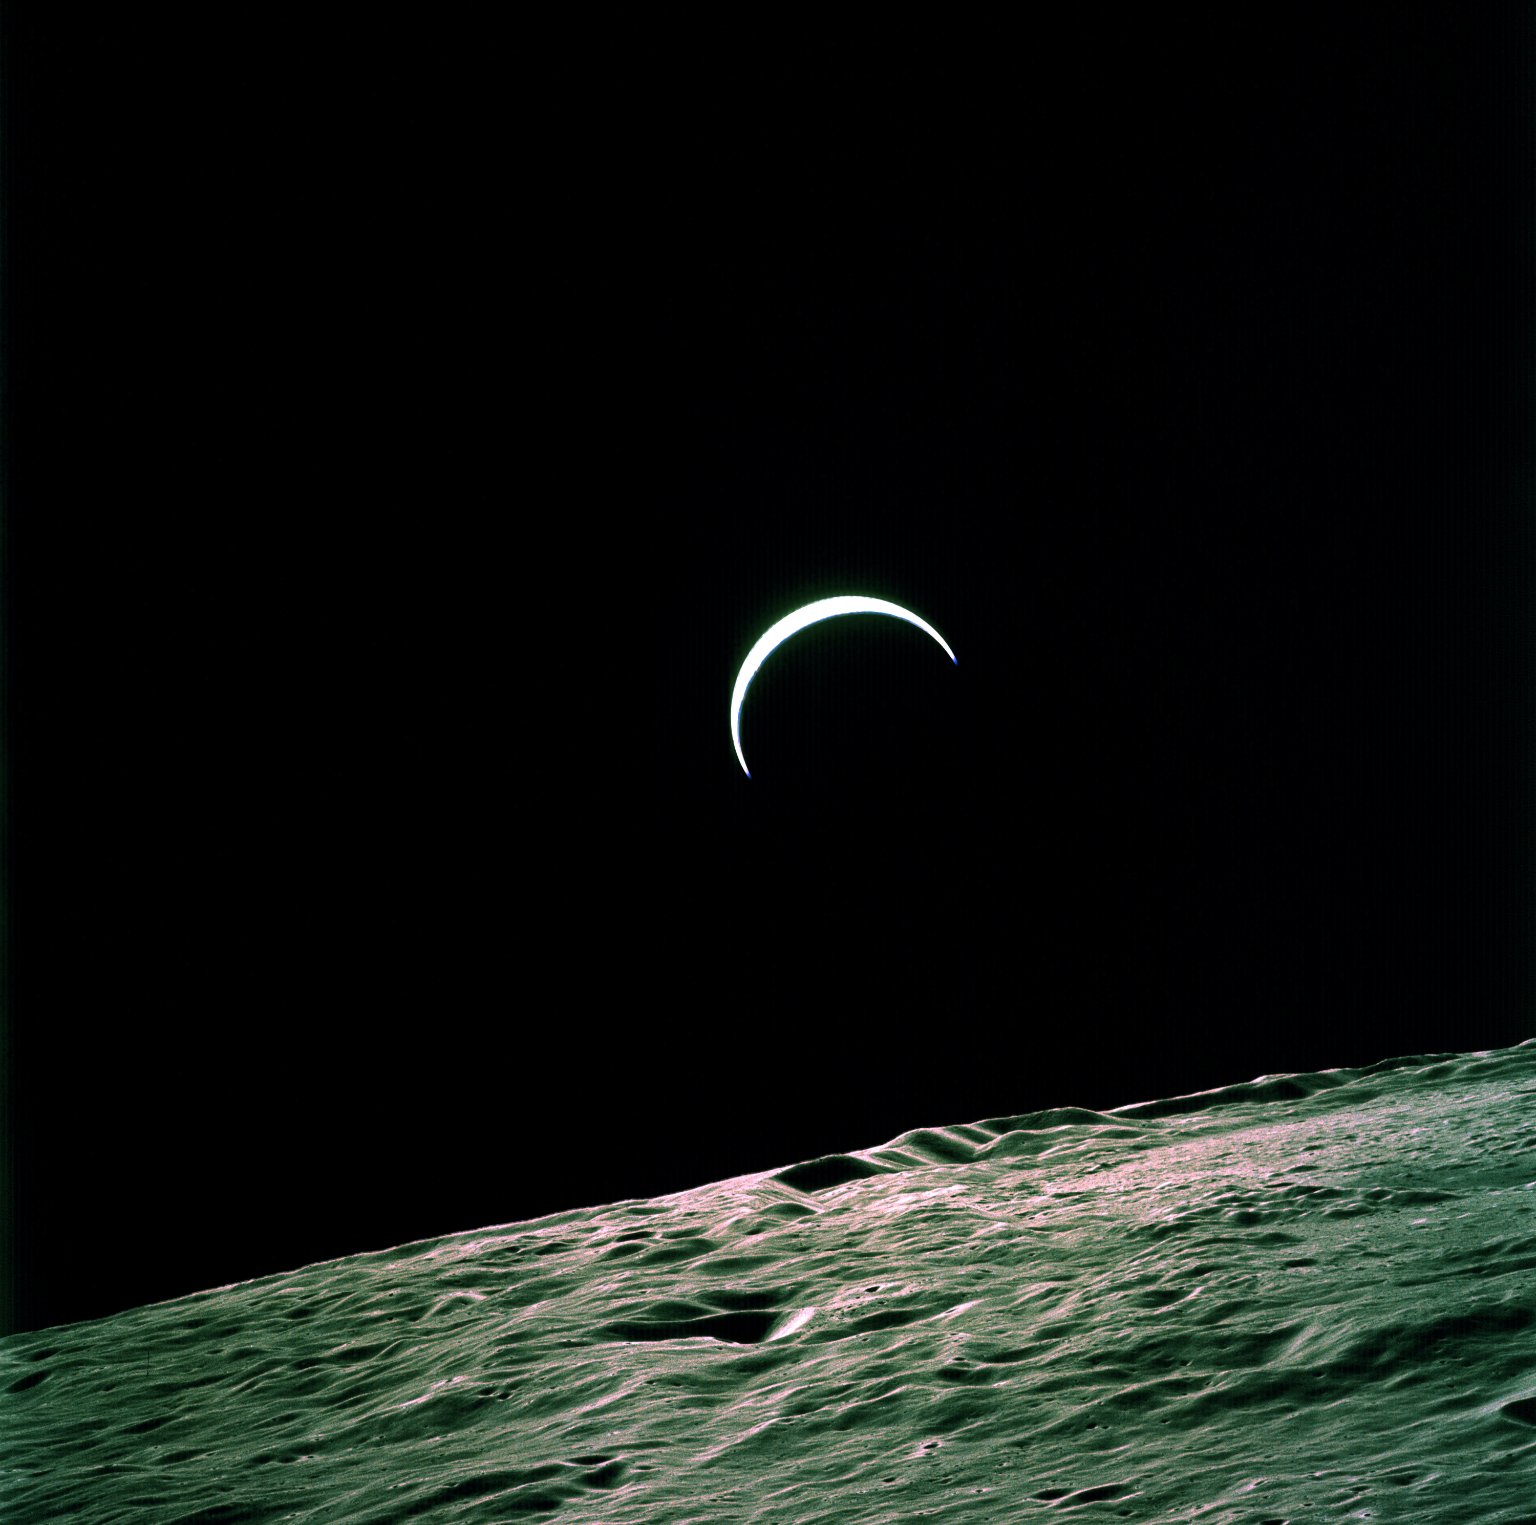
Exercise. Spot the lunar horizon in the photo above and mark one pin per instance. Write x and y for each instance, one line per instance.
(1303, 1296)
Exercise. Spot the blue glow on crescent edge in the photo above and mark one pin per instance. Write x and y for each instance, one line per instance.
(823, 609)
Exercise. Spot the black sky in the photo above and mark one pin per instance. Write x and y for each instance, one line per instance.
(409, 434)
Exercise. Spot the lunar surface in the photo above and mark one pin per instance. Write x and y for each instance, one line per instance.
(1307, 1297)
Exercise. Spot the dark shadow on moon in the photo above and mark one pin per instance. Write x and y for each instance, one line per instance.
(829, 1171)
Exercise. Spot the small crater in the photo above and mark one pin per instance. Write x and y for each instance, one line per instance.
(730, 1265)
(1521, 1410)
(789, 1210)
(1007, 1357)
(1102, 1493)
(733, 1328)
(609, 1475)
(965, 1375)
(886, 1318)
(1159, 1297)
(939, 1146)
(829, 1171)
(673, 1251)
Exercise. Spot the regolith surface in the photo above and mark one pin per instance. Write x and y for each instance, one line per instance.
(1306, 1297)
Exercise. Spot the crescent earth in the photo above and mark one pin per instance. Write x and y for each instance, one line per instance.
(779, 632)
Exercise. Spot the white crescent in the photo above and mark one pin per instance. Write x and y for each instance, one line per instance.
(823, 609)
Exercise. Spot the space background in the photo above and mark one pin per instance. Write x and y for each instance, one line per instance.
(410, 430)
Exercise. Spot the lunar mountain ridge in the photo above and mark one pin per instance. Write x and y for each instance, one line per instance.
(1299, 1297)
